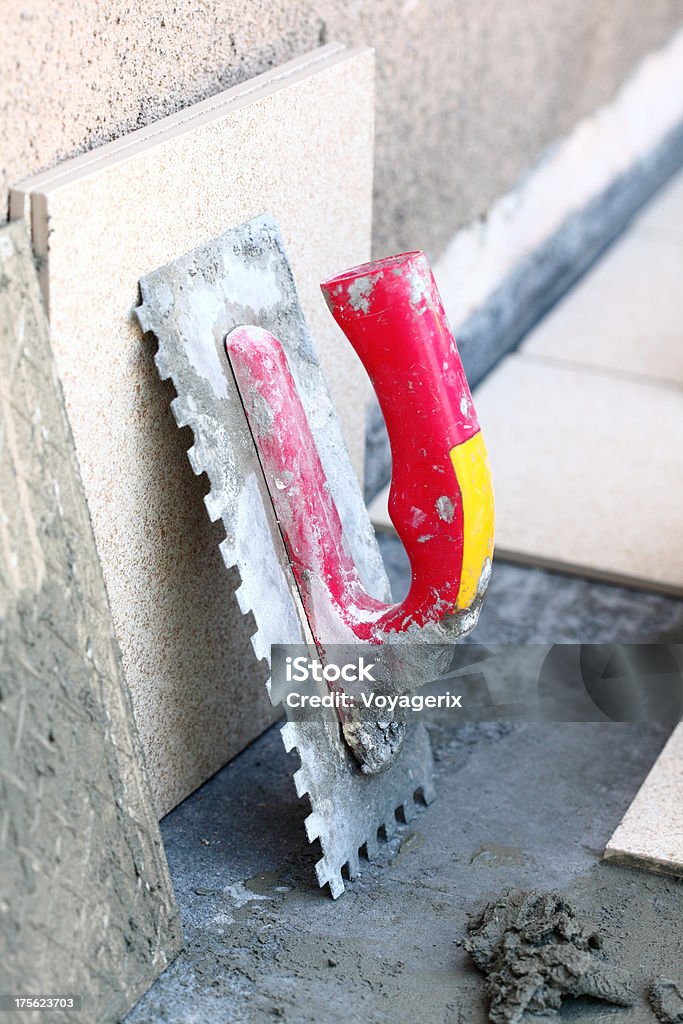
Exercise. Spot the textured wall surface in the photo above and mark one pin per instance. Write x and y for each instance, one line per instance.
(469, 92)
(86, 905)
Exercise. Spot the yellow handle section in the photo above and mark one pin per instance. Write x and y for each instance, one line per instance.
(471, 465)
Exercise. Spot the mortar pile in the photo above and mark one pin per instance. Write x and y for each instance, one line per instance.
(535, 950)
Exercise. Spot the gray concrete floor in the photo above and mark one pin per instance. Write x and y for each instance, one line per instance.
(528, 805)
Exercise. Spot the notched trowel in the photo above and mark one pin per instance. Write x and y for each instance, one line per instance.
(233, 339)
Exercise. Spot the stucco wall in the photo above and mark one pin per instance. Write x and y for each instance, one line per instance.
(469, 91)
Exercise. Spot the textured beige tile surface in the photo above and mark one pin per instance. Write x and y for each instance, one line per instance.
(651, 832)
(299, 146)
(627, 313)
(587, 470)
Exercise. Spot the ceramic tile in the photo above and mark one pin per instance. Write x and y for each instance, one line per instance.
(587, 471)
(299, 145)
(663, 216)
(625, 314)
(651, 832)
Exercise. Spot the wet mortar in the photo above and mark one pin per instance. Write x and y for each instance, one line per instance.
(535, 951)
(524, 805)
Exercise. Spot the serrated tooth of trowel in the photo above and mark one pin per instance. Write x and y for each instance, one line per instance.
(428, 792)
(269, 690)
(261, 648)
(372, 846)
(336, 885)
(301, 784)
(227, 550)
(143, 317)
(162, 363)
(213, 506)
(354, 865)
(390, 827)
(312, 825)
(409, 811)
(243, 599)
(180, 414)
(197, 460)
(321, 871)
(288, 733)
(331, 878)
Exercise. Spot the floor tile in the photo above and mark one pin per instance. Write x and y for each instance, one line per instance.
(663, 216)
(626, 314)
(651, 832)
(587, 471)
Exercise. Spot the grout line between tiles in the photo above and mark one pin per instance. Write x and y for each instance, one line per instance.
(588, 571)
(613, 373)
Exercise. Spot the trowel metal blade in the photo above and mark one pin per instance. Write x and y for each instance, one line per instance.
(244, 277)
(349, 809)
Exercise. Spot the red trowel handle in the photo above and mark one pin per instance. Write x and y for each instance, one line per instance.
(441, 499)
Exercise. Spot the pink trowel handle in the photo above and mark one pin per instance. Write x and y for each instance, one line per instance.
(441, 497)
